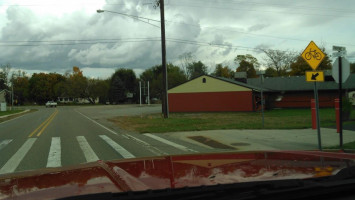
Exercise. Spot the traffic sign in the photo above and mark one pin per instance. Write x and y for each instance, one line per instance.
(345, 70)
(313, 55)
(315, 76)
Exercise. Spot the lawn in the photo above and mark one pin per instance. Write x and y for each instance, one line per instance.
(350, 145)
(274, 119)
(2, 113)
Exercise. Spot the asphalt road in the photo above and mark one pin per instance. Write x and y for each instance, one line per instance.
(64, 136)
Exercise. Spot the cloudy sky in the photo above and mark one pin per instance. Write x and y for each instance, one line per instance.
(53, 36)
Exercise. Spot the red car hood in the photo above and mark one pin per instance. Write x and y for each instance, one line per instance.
(170, 172)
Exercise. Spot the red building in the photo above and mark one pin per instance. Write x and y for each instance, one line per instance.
(296, 92)
(209, 94)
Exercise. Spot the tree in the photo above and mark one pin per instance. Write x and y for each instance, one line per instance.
(196, 69)
(223, 71)
(299, 67)
(352, 67)
(41, 86)
(97, 89)
(279, 60)
(186, 59)
(248, 58)
(176, 76)
(4, 74)
(116, 91)
(247, 67)
(247, 63)
(123, 81)
(21, 86)
(77, 84)
(270, 72)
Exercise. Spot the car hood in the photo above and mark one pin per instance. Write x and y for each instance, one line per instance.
(171, 172)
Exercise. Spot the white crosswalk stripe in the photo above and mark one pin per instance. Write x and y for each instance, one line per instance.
(178, 146)
(118, 148)
(89, 154)
(54, 156)
(4, 143)
(14, 161)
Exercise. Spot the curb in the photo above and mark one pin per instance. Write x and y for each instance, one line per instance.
(14, 114)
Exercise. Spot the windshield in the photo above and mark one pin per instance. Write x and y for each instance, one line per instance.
(83, 81)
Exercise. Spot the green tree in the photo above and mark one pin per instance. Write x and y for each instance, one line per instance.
(223, 71)
(270, 72)
(176, 76)
(299, 67)
(41, 86)
(97, 89)
(352, 67)
(123, 81)
(196, 69)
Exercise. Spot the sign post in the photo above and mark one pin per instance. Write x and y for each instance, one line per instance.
(314, 56)
(340, 72)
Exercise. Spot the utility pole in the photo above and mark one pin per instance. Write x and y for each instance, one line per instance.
(165, 104)
(140, 94)
(148, 94)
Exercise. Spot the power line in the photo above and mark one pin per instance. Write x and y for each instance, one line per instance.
(308, 7)
(255, 10)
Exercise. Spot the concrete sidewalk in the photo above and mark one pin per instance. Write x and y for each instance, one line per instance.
(245, 140)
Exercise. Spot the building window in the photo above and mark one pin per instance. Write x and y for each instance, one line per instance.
(204, 80)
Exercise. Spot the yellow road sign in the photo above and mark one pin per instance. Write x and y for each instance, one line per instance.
(315, 76)
(313, 55)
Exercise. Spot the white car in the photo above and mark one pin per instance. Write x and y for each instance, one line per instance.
(51, 104)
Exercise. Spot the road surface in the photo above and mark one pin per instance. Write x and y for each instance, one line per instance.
(64, 136)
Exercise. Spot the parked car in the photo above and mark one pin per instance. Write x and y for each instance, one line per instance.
(51, 104)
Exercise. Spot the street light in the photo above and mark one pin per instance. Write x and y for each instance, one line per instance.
(165, 104)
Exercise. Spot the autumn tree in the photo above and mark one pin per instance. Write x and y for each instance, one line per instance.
(248, 58)
(280, 60)
(21, 87)
(77, 84)
(247, 63)
(223, 71)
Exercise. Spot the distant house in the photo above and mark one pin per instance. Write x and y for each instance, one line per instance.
(210, 94)
(295, 92)
(65, 100)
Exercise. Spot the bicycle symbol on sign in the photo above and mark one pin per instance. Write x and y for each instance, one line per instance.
(316, 55)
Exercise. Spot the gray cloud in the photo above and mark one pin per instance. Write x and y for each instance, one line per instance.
(190, 26)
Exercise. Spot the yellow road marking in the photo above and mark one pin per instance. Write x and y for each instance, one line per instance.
(47, 120)
(45, 126)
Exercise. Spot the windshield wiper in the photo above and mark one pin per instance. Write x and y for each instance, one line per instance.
(330, 187)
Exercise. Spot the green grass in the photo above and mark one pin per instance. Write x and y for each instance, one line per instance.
(9, 112)
(350, 145)
(274, 119)
(15, 115)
